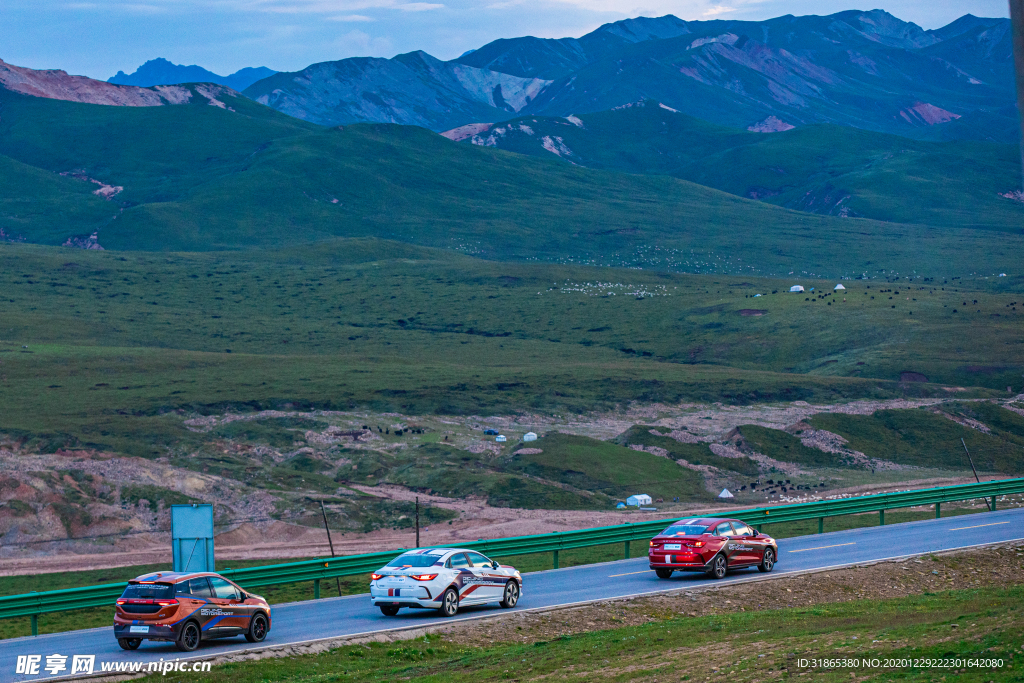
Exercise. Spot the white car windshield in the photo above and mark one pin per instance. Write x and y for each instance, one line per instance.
(413, 561)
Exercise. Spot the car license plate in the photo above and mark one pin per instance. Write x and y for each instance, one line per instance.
(139, 629)
(673, 546)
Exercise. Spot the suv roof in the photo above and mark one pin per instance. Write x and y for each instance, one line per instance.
(170, 577)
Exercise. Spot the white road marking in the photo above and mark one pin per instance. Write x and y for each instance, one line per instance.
(822, 547)
(961, 528)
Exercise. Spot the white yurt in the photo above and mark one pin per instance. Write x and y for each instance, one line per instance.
(529, 436)
(725, 494)
(796, 288)
(500, 438)
(638, 500)
(838, 288)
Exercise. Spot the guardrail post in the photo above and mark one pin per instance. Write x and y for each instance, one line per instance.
(35, 625)
(993, 503)
(627, 550)
(555, 553)
(938, 510)
(821, 525)
(316, 589)
(881, 518)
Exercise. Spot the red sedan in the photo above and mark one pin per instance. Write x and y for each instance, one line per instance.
(711, 545)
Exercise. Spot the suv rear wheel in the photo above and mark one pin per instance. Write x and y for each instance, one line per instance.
(188, 639)
(129, 643)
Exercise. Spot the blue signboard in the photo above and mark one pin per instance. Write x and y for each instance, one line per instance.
(192, 537)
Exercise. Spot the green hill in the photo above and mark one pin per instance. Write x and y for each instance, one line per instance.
(198, 178)
(824, 169)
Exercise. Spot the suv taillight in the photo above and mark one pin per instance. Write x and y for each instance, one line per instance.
(167, 603)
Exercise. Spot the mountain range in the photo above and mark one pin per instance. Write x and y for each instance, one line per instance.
(860, 69)
(162, 72)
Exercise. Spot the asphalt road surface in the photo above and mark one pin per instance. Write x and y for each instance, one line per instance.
(332, 617)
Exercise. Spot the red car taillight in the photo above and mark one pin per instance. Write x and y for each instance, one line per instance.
(121, 601)
(695, 544)
(166, 603)
(653, 544)
(374, 577)
(424, 577)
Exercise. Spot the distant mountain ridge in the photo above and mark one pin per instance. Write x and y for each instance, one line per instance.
(861, 69)
(162, 72)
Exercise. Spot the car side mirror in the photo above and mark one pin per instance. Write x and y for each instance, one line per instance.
(494, 565)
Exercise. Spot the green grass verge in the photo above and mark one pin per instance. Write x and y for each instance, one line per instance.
(759, 645)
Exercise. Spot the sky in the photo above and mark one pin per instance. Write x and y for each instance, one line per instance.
(97, 38)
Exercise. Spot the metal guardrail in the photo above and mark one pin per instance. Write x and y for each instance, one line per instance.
(33, 604)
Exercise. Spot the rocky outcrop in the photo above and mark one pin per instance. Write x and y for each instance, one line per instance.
(59, 85)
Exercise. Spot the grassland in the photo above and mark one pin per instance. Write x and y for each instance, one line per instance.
(200, 178)
(110, 335)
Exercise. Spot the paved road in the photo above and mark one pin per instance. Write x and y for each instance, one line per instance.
(332, 617)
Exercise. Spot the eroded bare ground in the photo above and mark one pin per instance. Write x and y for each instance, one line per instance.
(136, 533)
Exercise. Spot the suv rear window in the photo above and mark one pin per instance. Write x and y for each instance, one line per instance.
(152, 591)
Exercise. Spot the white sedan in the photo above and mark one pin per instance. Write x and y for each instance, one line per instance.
(443, 579)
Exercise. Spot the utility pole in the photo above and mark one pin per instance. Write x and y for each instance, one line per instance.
(323, 510)
(992, 508)
(417, 521)
(1017, 28)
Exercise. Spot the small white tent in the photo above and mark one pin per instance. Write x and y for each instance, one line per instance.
(725, 494)
(529, 436)
(838, 288)
(796, 288)
(500, 438)
(639, 499)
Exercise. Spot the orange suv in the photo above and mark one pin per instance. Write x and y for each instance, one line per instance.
(187, 609)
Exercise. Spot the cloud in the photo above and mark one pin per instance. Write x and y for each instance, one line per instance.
(359, 43)
(351, 17)
(718, 9)
(418, 6)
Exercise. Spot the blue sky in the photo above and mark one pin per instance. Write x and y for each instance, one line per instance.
(98, 37)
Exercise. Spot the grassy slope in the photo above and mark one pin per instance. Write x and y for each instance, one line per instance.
(810, 168)
(693, 453)
(216, 179)
(41, 205)
(608, 468)
(922, 438)
(785, 447)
